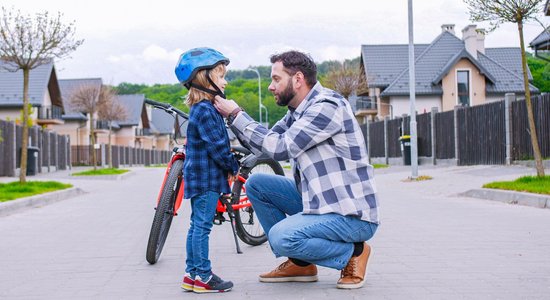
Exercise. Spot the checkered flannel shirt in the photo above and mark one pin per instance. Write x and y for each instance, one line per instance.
(208, 158)
(326, 145)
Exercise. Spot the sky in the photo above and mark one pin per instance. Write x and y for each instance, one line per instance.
(140, 41)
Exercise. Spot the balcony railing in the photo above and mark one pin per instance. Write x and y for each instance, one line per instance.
(49, 112)
(365, 103)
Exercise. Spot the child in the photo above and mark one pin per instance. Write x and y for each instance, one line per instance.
(208, 163)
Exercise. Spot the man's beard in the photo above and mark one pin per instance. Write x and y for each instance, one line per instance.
(287, 95)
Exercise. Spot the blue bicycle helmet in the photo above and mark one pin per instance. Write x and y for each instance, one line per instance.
(196, 59)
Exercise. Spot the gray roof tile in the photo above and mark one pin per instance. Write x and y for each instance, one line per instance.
(385, 62)
(134, 104)
(162, 122)
(68, 86)
(11, 85)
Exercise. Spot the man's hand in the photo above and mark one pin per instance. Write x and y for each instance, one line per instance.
(224, 106)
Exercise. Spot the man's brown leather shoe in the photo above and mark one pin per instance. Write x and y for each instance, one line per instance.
(288, 271)
(353, 275)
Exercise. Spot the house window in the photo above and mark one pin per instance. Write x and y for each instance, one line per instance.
(463, 87)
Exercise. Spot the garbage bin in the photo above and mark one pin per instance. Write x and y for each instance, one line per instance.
(406, 149)
(32, 160)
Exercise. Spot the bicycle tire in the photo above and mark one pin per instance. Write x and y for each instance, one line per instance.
(247, 226)
(164, 212)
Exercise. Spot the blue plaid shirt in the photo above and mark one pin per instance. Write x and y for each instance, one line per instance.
(324, 142)
(208, 159)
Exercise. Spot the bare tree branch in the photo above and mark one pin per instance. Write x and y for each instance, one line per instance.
(513, 11)
(26, 43)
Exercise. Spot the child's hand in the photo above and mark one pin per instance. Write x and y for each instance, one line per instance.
(232, 178)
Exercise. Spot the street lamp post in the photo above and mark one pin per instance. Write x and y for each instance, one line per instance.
(259, 93)
(412, 92)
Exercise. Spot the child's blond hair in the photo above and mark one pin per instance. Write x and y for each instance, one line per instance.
(195, 95)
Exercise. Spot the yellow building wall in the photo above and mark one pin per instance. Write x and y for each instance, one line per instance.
(477, 86)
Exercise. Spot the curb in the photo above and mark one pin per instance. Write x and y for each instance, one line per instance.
(510, 197)
(103, 177)
(13, 206)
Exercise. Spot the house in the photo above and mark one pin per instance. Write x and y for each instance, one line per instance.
(163, 126)
(76, 124)
(450, 71)
(44, 95)
(542, 41)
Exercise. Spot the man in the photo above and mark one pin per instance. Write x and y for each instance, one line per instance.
(325, 215)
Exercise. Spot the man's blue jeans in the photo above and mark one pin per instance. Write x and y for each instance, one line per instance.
(325, 240)
(203, 209)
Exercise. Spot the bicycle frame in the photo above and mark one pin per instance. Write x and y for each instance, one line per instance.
(243, 202)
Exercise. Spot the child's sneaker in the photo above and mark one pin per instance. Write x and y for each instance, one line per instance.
(213, 284)
(188, 283)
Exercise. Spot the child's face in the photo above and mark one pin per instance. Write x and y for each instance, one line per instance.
(219, 79)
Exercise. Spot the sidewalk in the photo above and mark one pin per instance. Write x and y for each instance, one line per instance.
(432, 244)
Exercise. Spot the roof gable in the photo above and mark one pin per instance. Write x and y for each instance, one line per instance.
(427, 66)
(460, 55)
(135, 110)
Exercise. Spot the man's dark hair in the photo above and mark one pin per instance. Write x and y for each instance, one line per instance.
(295, 61)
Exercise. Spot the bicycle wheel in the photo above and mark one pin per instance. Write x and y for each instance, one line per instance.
(164, 213)
(248, 227)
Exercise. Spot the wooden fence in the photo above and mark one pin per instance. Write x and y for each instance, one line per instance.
(493, 133)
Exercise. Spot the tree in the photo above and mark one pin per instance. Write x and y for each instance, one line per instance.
(513, 11)
(27, 43)
(345, 78)
(86, 98)
(110, 110)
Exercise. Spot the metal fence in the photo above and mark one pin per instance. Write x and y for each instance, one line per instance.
(122, 156)
(56, 153)
(468, 135)
(53, 149)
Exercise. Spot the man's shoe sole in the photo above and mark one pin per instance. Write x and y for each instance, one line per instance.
(350, 286)
(290, 279)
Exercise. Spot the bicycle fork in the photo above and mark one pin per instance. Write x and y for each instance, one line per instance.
(226, 200)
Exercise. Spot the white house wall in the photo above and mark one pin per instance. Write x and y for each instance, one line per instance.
(401, 105)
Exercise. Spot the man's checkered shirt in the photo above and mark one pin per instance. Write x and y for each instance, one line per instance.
(326, 146)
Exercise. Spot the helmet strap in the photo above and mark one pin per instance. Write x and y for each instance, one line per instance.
(217, 91)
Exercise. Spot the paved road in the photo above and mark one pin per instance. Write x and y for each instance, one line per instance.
(432, 244)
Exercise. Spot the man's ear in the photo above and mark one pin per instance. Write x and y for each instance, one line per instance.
(299, 79)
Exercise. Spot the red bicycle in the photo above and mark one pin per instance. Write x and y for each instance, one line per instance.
(236, 205)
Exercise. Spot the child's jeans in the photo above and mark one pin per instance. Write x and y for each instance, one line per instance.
(203, 209)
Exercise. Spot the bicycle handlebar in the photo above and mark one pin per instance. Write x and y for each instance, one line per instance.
(171, 110)
(167, 108)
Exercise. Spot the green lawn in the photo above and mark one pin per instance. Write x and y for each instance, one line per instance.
(14, 190)
(531, 184)
(107, 171)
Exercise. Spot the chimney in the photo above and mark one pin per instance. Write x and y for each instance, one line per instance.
(474, 39)
(448, 27)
